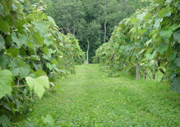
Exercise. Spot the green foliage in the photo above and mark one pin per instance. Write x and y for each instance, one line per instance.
(149, 38)
(177, 36)
(43, 121)
(5, 83)
(4, 121)
(32, 51)
(48, 120)
(91, 20)
(38, 85)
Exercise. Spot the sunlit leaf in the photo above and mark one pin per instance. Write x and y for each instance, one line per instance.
(51, 20)
(38, 85)
(5, 83)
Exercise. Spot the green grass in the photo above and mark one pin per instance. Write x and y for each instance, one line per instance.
(92, 99)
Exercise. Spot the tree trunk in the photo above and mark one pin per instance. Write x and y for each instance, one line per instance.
(67, 29)
(87, 53)
(145, 75)
(105, 31)
(105, 22)
(154, 75)
(137, 71)
(74, 19)
(74, 31)
(122, 65)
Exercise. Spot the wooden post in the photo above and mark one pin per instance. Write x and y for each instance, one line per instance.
(87, 53)
(137, 71)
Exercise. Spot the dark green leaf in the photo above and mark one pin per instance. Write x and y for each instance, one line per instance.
(2, 43)
(166, 33)
(2, 12)
(177, 61)
(178, 6)
(20, 41)
(39, 73)
(19, 68)
(4, 121)
(162, 48)
(4, 61)
(4, 26)
(177, 36)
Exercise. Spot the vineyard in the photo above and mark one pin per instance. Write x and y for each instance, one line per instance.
(146, 43)
(42, 79)
(33, 52)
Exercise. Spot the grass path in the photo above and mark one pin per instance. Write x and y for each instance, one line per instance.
(91, 99)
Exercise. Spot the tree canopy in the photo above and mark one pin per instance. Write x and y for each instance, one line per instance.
(91, 21)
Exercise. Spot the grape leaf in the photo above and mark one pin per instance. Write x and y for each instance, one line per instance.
(5, 83)
(177, 36)
(2, 43)
(22, 40)
(38, 84)
(38, 38)
(4, 60)
(166, 33)
(178, 6)
(39, 73)
(177, 61)
(141, 16)
(4, 26)
(19, 67)
(2, 12)
(157, 23)
(4, 121)
(165, 12)
(23, 71)
(41, 27)
(162, 48)
(51, 20)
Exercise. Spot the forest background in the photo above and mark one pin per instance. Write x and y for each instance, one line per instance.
(91, 21)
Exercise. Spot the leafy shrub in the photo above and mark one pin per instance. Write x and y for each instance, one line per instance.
(151, 39)
(32, 50)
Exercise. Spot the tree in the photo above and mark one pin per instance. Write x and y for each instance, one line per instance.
(77, 16)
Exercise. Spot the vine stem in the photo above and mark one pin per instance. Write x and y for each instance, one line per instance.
(19, 86)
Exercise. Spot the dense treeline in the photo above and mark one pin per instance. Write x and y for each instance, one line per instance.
(146, 43)
(32, 52)
(91, 21)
